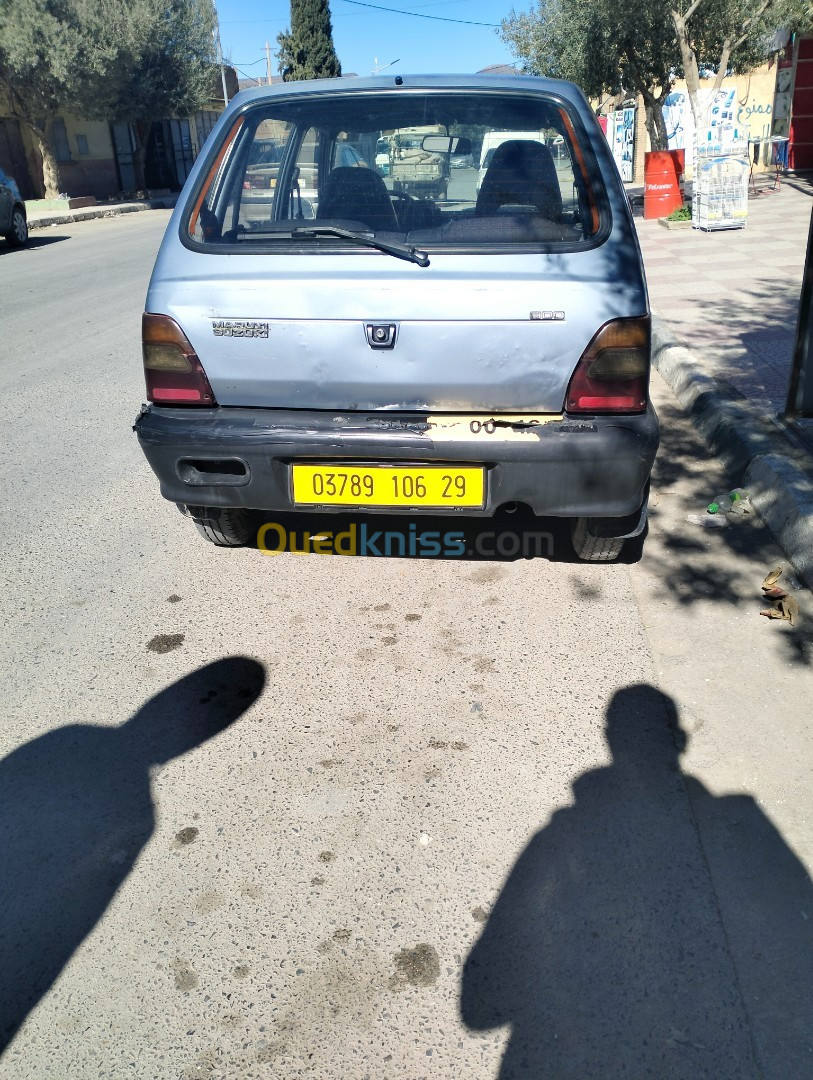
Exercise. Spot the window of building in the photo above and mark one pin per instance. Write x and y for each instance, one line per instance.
(59, 140)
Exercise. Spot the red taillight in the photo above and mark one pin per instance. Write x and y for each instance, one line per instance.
(613, 373)
(172, 371)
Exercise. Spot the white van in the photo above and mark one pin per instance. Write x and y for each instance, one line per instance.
(496, 138)
(382, 156)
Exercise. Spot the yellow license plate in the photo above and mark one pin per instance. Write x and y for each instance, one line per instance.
(436, 486)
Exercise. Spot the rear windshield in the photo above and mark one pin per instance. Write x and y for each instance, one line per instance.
(441, 170)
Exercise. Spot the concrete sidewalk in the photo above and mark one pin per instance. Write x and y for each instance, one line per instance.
(42, 219)
(725, 306)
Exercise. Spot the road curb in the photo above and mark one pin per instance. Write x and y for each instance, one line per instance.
(754, 447)
(96, 212)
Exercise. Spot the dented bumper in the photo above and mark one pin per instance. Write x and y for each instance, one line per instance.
(559, 467)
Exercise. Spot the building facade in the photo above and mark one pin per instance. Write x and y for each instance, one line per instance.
(95, 157)
(757, 103)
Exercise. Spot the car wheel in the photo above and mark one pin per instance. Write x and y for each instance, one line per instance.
(231, 529)
(18, 235)
(594, 548)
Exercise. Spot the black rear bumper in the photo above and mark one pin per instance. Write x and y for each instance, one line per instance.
(234, 457)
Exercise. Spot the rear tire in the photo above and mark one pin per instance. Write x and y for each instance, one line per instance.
(231, 529)
(594, 548)
(18, 234)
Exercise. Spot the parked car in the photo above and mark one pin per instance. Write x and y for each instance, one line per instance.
(393, 354)
(261, 179)
(13, 220)
(263, 165)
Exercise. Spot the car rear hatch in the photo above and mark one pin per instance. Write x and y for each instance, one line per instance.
(471, 333)
(522, 271)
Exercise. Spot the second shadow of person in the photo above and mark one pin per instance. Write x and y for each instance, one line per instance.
(606, 951)
(75, 813)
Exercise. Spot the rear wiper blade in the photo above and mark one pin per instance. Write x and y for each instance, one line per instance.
(400, 251)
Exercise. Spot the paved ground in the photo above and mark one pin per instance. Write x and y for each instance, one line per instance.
(422, 818)
(733, 295)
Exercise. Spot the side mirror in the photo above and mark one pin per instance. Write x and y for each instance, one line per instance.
(446, 144)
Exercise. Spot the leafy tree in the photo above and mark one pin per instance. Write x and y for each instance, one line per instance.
(306, 51)
(729, 36)
(49, 50)
(643, 46)
(119, 60)
(603, 46)
(164, 66)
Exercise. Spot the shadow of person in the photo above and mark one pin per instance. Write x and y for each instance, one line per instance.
(612, 951)
(75, 812)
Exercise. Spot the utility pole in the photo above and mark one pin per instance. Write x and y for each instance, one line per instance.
(268, 61)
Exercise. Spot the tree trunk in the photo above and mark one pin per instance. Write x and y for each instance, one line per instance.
(653, 106)
(655, 123)
(50, 171)
(141, 131)
(690, 69)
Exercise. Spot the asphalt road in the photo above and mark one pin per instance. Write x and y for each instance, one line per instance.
(359, 817)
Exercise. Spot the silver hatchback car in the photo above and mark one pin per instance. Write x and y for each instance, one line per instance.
(411, 342)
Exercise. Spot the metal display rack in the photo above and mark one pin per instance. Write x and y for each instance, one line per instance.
(722, 169)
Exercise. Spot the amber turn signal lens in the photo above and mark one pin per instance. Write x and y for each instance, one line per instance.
(165, 358)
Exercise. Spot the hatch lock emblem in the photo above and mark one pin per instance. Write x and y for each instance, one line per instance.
(381, 335)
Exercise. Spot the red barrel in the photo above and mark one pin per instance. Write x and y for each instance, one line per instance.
(661, 187)
(680, 169)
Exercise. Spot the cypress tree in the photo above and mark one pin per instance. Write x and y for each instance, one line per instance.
(307, 51)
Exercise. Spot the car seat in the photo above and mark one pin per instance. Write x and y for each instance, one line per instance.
(521, 173)
(355, 194)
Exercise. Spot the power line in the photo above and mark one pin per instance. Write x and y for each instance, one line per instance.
(253, 78)
(420, 15)
(339, 15)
